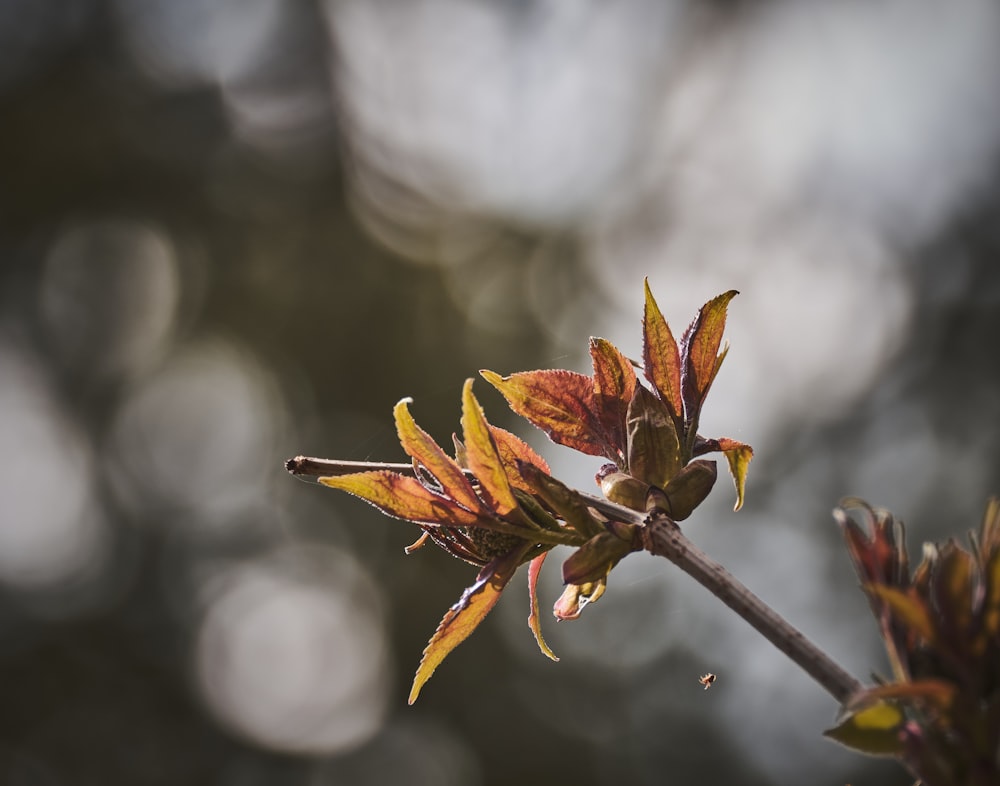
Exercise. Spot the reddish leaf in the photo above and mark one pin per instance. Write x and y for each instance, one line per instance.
(560, 403)
(909, 609)
(991, 601)
(614, 386)
(738, 456)
(654, 449)
(534, 621)
(402, 496)
(660, 357)
(700, 356)
(512, 449)
(418, 444)
(953, 584)
(481, 452)
(463, 618)
(939, 693)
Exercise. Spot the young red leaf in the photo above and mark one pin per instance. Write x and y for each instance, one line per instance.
(402, 496)
(481, 453)
(534, 621)
(912, 611)
(654, 448)
(512, 449)
(700, 352)
(939, 693)
(476, 602)
(560, 403)
(738, 456)
(614, 386)
(954, 585)
(418, 444)
(661, 359)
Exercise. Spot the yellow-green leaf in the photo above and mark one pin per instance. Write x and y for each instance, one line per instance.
(463, 618)
(738, 457)
(402, 496)
(560, 403)
(418, 444)
(534, 620)
(660, 357)
(481, 452)
(873, 730)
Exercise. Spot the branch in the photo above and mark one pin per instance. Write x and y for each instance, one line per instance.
(661, 536)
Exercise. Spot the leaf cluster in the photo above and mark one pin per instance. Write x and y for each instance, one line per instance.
(495, 503)
(940, 623)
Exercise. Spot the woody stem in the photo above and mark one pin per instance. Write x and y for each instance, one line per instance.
(661, 536)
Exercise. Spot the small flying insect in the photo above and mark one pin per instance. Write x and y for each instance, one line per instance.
(707, 680)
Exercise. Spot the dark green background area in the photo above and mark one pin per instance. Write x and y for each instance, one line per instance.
(271, 257)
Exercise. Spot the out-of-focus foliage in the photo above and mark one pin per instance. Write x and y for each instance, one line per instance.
(235, 229)
(940, 713)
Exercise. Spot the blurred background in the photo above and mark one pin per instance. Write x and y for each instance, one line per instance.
(233, 232)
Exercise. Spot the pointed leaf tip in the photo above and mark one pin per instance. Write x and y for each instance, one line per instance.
(464, 617)
(419, 445)
(481, 453)
(738, 456)
(661, 358)
(534, 617)
(700, 352)
(559, 402)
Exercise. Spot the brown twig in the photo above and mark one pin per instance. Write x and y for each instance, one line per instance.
(661, 536)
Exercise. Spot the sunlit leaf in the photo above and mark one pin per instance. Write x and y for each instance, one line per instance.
(418, 444)
(873, 730)
(560, 403)
(402, 496)
(700, 356)
(614, 386)
(481, 453)
(534, 618)
(621, 488)
(512, 449)
(738, 456)
(660, 357)
(654, 448)
(463, 618)
(911, 610)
